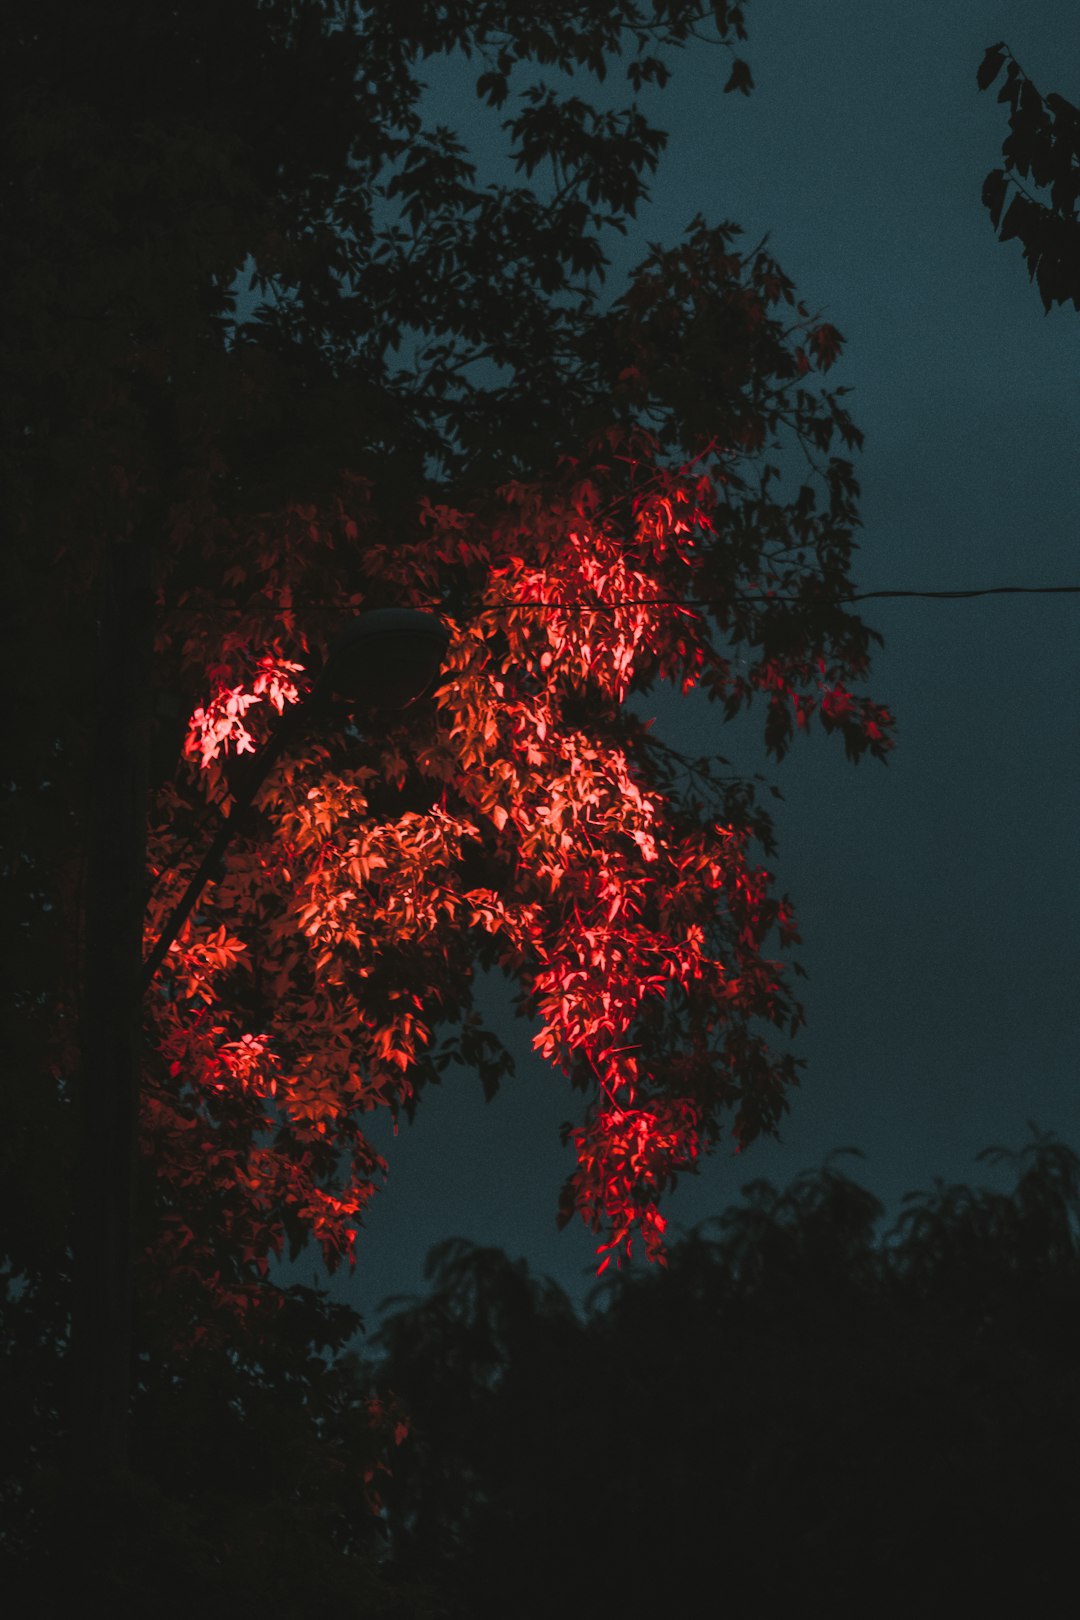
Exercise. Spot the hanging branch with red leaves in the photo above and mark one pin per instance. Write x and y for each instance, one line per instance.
(524, 816)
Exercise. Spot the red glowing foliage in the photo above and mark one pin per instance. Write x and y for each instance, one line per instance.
(524, 816)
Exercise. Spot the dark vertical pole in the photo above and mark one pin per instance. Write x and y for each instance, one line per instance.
(115, 880)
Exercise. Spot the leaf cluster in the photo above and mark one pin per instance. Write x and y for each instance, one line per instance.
(1043, 149)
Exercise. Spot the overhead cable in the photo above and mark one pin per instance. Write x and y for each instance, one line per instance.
(352, 604)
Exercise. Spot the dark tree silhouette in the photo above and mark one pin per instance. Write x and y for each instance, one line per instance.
(1041, 151)
(430, 403)
(794, 1405)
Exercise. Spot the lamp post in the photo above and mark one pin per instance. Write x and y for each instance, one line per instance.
(385, 660)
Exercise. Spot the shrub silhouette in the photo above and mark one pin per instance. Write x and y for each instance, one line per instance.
(793, 1406)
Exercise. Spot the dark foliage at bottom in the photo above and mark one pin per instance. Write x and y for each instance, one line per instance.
(792, 1410)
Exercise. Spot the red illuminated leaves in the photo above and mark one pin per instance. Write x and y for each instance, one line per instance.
(627, 1158)
(825, 342)
(218, 729)
(220, 726)
(522, 818)
(273, 681)
(199, 963)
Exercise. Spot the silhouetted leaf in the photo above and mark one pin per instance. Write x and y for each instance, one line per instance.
(991, 65)
(993, 194)
(740, 78)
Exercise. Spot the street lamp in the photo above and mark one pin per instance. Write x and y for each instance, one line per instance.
(384, 660)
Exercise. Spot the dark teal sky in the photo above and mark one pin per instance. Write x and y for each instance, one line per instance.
(938, 896)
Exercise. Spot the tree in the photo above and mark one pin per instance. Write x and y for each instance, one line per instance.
(1043, 149)
(431, 406)
(797, 1401)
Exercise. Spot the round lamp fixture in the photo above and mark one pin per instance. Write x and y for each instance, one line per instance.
(386, 658)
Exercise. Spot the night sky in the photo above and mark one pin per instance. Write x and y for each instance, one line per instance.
(938, 895)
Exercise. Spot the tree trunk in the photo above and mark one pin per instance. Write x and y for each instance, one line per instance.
(115, 885)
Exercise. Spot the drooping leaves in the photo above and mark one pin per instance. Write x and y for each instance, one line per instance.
(1043, 149)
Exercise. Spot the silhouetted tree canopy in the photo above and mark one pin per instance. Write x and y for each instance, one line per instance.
(794, 1406)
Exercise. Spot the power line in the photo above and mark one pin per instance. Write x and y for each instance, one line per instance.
(799, 601)
(337, 605)
(989, 590)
